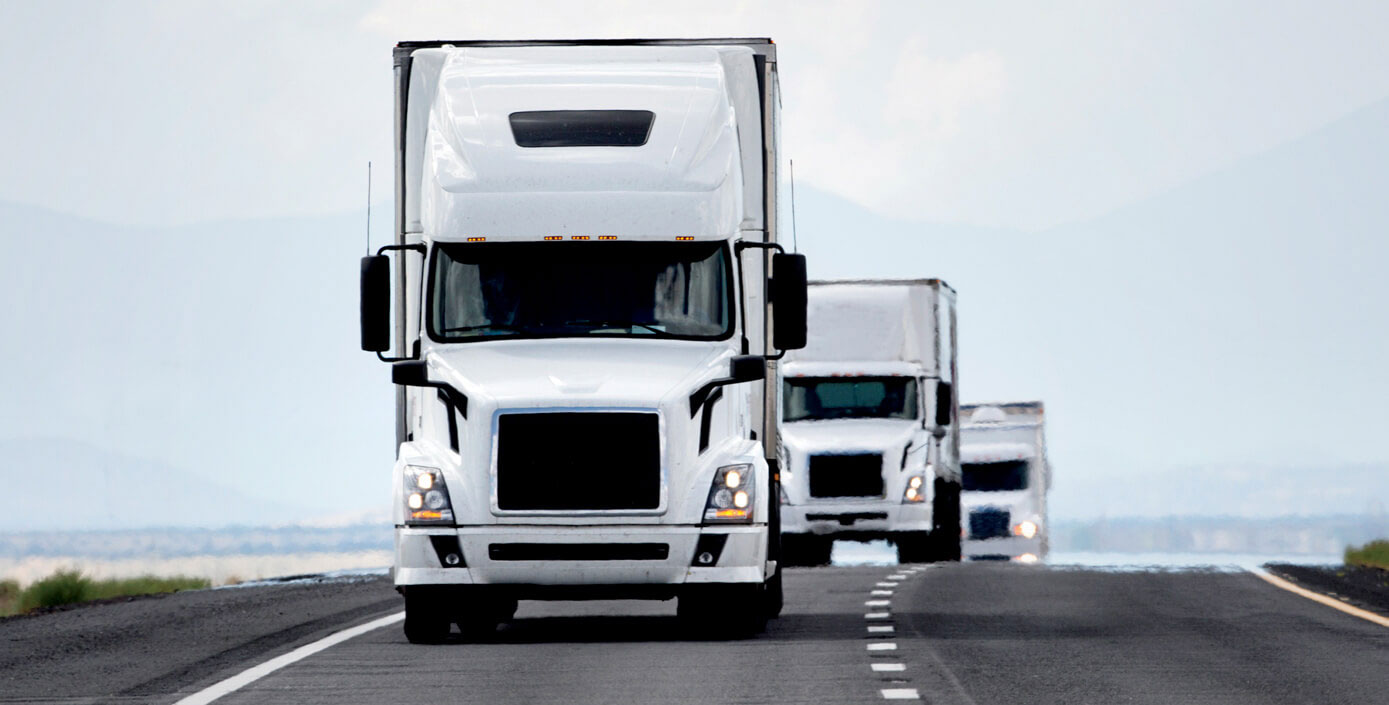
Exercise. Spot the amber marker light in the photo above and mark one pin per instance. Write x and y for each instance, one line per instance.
(477, 239)
(426, 514)
(552, 238)
(607, 237)
(578, 237)
(684, 238)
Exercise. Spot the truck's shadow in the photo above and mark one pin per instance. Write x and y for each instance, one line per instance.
(662, 628)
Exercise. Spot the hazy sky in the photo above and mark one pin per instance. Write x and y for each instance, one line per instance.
(1165, 220)
(1019, 114)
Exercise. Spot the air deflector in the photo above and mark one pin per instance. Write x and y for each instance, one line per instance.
(582, 128)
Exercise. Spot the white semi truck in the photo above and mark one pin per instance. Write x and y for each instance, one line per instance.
(870, 410)
(584, 307)
(1006, 478)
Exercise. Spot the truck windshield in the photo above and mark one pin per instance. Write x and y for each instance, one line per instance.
(580, 289)
(850, 398)
(995, 477)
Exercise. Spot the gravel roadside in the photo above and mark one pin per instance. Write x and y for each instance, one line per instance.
(1359, 585)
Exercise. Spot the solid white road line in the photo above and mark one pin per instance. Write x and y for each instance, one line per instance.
(901, 694)
(880, 628)
(882, 646)
(877, 603)
(1331, 602)
(877, 615)
(889, 667)
(255, 673)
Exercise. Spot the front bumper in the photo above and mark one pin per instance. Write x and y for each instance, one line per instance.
(1004, 548)
(417, 562)
(855, 519)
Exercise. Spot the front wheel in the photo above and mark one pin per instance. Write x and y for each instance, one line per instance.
(426, 621)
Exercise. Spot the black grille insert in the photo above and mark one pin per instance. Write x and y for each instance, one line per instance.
(578, 551)
(578, 461)
(858, 475)
(988, 523)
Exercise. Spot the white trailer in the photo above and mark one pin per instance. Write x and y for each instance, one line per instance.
(870, 429)
(1006, 478)
(582, 319)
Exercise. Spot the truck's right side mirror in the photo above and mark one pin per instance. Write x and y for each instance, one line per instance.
(945, 402)
(376, 303)
(789, 298)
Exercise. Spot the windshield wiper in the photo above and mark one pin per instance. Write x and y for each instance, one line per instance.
(619, 324)
(483, 326)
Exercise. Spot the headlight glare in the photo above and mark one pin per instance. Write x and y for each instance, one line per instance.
(731, 496)
(913, 493)
(426, 496)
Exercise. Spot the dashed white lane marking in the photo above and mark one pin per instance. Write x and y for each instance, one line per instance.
(255, 673)
(884, 593)
(889, 584)
(877, 603)
(1318, 597)
(901, 694)
(889, 667)
(880, 628)
(882, 646)
(897, 576)
(878, 615)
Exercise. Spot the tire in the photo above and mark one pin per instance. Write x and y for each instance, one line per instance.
(945, 512)
(914, 547)
(773, 597)
(723, 611)
(426, 622)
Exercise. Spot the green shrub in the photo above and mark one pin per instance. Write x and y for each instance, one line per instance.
(1374, 554)
(9, 596)
(69, 586)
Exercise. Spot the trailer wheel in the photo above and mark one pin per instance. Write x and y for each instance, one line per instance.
(806, 549)
(426, 622)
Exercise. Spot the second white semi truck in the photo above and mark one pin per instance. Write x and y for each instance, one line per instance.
(870, 412)
(584, 307)
(1006, 478)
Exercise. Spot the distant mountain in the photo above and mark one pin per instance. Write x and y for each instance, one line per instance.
(57, 484)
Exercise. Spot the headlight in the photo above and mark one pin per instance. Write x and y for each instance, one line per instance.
(426, 496)
(915, 491)
(1025, 529)
(731, 496)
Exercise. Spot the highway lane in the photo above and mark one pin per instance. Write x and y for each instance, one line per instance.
(972, 633)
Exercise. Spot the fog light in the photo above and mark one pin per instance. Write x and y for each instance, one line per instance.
(740, 499)
(1027, 558)
(416, 500)
(452, 559)
(706, 558)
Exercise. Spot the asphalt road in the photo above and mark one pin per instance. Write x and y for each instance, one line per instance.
(972, 633)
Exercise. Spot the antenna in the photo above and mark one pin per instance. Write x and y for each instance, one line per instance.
(795, 243)
(369, 207)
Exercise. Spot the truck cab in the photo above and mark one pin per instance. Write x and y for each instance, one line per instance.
(578, 311)
(869, 412)
(1006, 478)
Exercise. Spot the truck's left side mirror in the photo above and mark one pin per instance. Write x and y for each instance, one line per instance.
(789, 297)
(376, 303)
(945, 403)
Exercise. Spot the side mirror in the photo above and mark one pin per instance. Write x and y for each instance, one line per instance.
(376, 303)
(410, 374)
(747, 368)
(789, 298)
(945, 402)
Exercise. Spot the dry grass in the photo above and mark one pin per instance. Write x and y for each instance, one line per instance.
(67, 587)
(1374, 554)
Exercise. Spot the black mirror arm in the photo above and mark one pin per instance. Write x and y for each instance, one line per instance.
(743, 368)
(415, 247)
(416, 374)
(741, 245)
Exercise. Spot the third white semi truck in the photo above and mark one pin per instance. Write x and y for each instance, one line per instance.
(870, 415)
(584, 307)
(1006, 478)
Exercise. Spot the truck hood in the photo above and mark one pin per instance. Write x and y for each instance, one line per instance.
(578, 372)
(848, 435)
